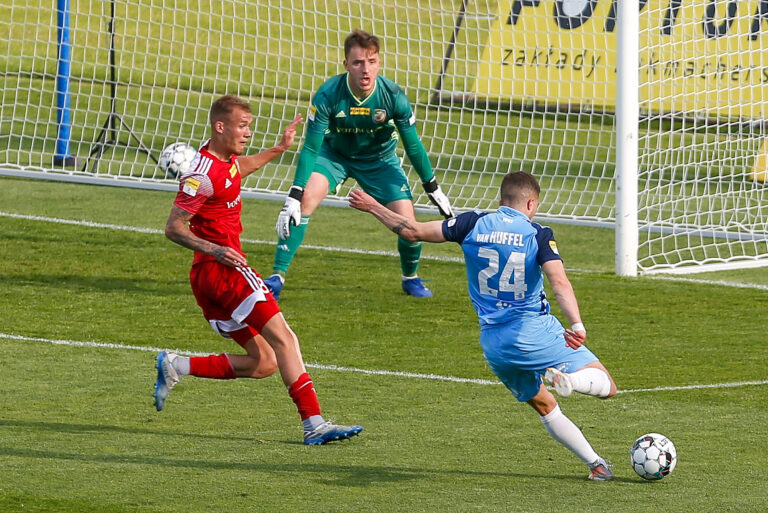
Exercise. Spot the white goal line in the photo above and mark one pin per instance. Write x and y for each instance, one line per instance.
(377, 372)
(155, 231)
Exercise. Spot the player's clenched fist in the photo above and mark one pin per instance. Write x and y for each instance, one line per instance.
(575, 338)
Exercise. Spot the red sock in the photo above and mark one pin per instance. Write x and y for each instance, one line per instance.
(213, 366)
(303, 394)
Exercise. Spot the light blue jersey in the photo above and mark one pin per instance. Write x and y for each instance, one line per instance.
(504, 252)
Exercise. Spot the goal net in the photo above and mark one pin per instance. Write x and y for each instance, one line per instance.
(93, 90)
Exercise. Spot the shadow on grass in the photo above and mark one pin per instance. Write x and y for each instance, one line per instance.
(75, 429)
(80, 283)
(330, 473)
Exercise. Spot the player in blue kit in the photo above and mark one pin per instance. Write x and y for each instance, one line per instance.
(506, 256)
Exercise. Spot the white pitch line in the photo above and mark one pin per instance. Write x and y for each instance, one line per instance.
(414, 375)
(710, 282)
(357, 251)
(76, 222)
(697, 387)
(156, 231)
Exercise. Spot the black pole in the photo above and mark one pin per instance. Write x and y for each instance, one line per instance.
(449, 52)
(112, 71)
(110, 125)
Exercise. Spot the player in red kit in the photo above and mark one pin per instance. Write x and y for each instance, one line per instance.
(205, 218)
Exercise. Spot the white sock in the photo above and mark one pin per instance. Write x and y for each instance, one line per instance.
(564, 431)
(181, 365)
(591, 381)
(312, 422)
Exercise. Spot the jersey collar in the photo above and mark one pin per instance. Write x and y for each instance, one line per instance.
(207, 153)
(511, 212)
(358, 100)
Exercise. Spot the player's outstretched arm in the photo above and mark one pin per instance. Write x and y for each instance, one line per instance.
(250, 163)
(418, 157)
(409, 229)
(177, 230)
(566, 300)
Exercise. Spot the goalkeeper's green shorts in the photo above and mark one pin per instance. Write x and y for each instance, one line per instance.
(384, 179)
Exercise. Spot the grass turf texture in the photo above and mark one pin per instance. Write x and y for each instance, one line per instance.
(78, 431)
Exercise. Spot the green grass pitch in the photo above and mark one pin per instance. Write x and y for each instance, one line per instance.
(78, 432)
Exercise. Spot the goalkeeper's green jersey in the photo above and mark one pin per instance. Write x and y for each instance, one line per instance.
(361, 130)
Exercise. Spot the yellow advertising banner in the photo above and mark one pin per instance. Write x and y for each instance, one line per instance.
(708, 57)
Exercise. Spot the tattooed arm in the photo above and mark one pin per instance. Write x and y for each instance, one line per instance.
(177, 229)
(409, 229)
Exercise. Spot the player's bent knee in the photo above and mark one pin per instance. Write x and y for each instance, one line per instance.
(612, 389)
(267, 366)
(264, 371)
(262, 367)
(607, 382)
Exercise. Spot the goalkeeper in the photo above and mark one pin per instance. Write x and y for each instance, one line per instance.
(352, 131)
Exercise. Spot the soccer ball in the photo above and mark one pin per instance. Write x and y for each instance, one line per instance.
(653, 456)
(176, 159)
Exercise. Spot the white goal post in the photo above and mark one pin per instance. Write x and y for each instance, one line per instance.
(643, 116)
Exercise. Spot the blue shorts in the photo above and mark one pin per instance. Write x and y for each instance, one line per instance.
(519, 353)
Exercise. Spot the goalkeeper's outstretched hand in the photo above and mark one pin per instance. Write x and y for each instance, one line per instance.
(291, 212)
(438, 198)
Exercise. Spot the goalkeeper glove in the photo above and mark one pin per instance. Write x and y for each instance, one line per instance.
(291, 212)
(438, 197)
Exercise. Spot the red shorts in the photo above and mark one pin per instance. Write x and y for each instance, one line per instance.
(232, 299)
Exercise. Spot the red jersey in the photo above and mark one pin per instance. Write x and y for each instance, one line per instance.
(211, 192)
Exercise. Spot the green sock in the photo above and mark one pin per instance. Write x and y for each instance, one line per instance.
(409, 256)
(286, 249)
